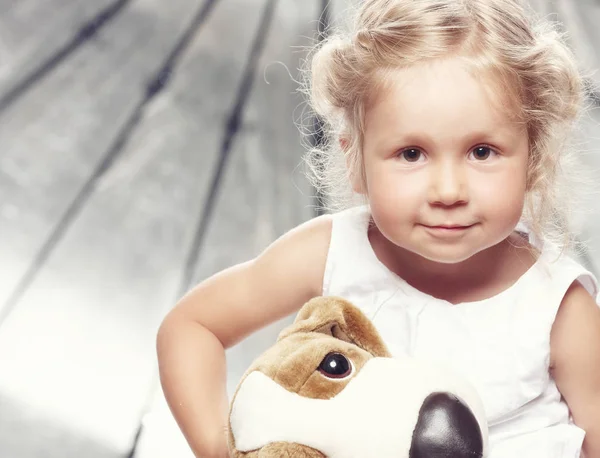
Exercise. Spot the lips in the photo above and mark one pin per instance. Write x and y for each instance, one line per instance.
(447, 230)
(449, 226)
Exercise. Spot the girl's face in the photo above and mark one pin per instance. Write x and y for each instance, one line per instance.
(445, 168)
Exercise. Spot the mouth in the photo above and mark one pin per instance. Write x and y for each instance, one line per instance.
(448, 228)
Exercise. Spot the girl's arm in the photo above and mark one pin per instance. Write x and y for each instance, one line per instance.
(220, 312)
(575, 362)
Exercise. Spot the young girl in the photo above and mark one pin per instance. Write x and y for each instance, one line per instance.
(449, 119)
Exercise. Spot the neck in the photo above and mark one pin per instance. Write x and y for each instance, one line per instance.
(475, 278)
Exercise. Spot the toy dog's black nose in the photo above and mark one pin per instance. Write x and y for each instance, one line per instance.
(446, 428)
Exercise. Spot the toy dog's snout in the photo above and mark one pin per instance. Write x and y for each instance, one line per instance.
(380, 413)
(446, 427)
(330, 388)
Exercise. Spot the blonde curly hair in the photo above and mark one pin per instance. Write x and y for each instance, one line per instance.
(527, 58)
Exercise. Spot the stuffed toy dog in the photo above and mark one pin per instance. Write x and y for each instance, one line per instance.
(329, 388)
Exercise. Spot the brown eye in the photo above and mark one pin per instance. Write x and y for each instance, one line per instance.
(411, 155)
(482, 153)
(335, 365)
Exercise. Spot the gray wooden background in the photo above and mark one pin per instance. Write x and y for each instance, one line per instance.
(145, 145)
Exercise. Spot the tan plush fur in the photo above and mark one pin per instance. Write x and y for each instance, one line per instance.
(323, 325)
(282, 450)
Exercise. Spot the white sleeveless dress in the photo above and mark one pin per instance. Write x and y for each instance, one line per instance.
(501, 344)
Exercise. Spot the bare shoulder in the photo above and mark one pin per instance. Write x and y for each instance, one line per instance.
(248, 296)
(575, 361)
(301, 251)
(577, 324)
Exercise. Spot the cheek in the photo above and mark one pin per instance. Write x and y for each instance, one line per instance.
(387, 186)
(502, 194)
(395, 198)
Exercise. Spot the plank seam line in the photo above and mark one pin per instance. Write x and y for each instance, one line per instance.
(157, 83)
(84, 34)
(231, 130)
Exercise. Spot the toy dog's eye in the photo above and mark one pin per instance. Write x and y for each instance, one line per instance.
(335, 365)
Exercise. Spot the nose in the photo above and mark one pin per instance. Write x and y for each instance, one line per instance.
(446, 427)
(448, 185)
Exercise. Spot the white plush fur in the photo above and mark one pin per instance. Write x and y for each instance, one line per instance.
(374, 416)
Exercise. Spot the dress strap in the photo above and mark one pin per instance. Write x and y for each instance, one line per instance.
(345, 248)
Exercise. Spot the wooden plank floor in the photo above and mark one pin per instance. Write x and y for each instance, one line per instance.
(262, 194)
(581, 19)
(36, 35)
(104, 189)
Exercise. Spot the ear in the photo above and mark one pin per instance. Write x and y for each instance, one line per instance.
(340, 319)
(344, 143)
(355, 176)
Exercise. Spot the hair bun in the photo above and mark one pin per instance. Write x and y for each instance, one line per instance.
(364, 38)
(331, 65)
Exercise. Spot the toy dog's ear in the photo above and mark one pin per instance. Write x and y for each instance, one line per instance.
(338, 318)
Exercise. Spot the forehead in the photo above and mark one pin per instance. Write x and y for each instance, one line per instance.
(441, 97)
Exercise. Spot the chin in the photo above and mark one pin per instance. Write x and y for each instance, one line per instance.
(447, 256)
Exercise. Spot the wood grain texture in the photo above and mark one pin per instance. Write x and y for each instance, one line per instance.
(57, 134)
(263, 193)
(86, 325)
(32, 31)
(44, 436)
(580, 20)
